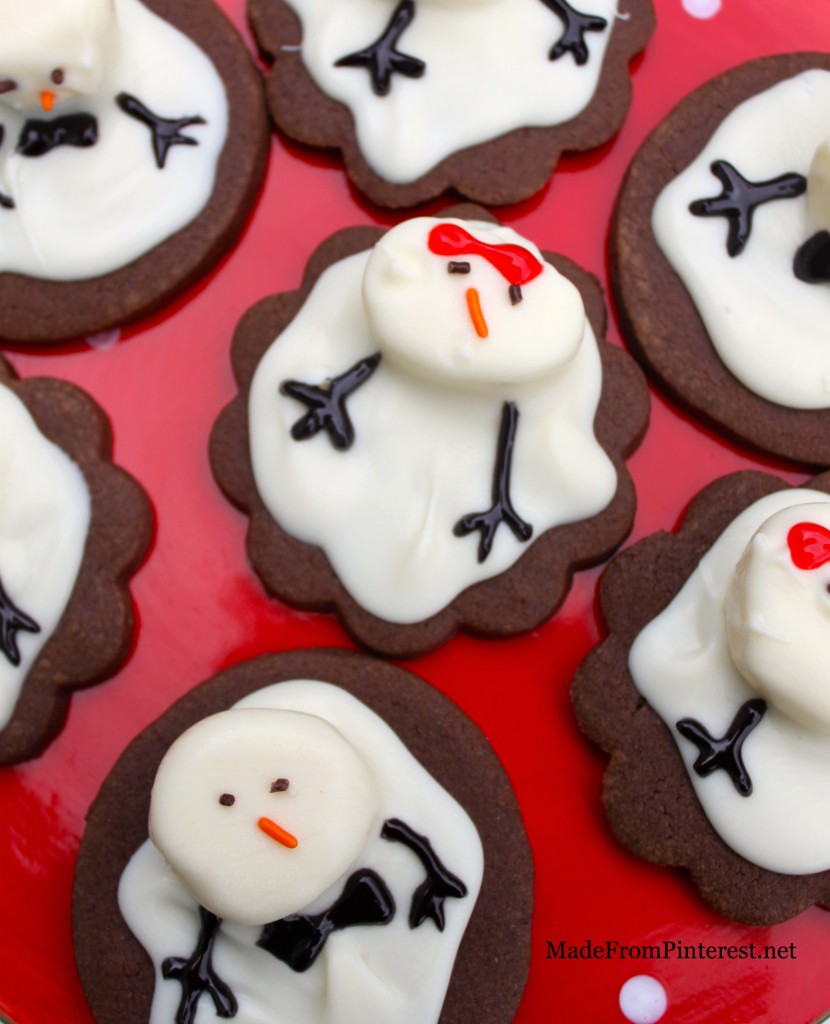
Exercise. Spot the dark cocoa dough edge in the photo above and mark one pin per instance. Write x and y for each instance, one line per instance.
(95, 633)
(492, 964)
(648, 798)
(657, 316)
(517, 600)
(40, 312)
(504, 170)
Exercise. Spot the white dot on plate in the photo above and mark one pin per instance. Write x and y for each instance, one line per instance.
(702, 8)
(643, 999)
(105, 340)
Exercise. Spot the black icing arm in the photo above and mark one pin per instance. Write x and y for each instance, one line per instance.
(740, 197)
(327, 403)
(725, 753)
(576, 25)
(12, 620)
(501, 511)
(381, 59)
(166, 131)
(440, 883)
(197, 976)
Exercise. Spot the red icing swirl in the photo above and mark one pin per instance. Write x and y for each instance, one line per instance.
(516, 264)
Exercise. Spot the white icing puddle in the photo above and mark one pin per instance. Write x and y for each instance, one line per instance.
(702, 9)
(643, 999)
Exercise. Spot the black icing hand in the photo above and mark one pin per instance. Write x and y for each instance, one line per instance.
(576, 25)
(502, 510)
(381, 59)
(166, 131)
(327, 403)
(725, 753)
(196, 974)
(812, 260)
(12, 620)
(298, 939)
(739, 198)
(439, 884)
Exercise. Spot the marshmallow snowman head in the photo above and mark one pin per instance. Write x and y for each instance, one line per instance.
(470, 304)
(777, 612)
(52, 51)
(260, 811)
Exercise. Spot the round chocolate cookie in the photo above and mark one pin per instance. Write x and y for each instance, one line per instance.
(723, 343)
(491, 966)
(92, 626)
(503, 160)
(156, 163)
(648, 795)
(499, 603)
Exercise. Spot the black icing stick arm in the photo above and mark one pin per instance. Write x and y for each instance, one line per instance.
(439, 884)
(327, 403)
(381, 59)
(12, 620)
(576, 24)
(501, 511)
(197, 976)
(165, 131)
(725, 753)
(740, 197)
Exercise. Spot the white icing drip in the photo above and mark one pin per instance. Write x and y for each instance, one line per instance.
(425, 445)
(44, 520)
(388, 973)
(487, 73)
(81, 212)
(769, 328)
(681, 664)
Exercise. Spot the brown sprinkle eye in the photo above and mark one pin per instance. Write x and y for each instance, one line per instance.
(458, 267)
(57, 76)
(279, 785)
(227, 799)
(7, 85)
(515, 294)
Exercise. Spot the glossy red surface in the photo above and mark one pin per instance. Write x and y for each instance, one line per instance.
(201, 608)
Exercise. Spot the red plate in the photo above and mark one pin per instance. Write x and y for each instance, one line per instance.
(201, 608)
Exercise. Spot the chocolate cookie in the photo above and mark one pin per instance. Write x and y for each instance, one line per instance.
(727, 344)
(421, 99)
(492, 962)
(158, 162)
(412, 553)
(732, 718)
(67, 618)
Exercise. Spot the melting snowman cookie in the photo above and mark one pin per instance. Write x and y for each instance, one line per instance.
(65, 617)
(742, 230)
(113, 129)
(302, 865)
(421, 95)
(734, 665)
(426, 418)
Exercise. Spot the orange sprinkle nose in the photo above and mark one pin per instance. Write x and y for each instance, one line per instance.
(47, 99)
(476, 315)
(275, 831)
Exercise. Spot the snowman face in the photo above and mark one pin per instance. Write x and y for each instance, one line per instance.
(260, 811)
(469, 304)
(53, 51)
(778, 613)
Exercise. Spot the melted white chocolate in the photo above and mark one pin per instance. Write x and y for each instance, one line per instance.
(427, 421)
(378, 973)
(487, 73)
(82, 212)
(44, 520)
(744, 625)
